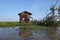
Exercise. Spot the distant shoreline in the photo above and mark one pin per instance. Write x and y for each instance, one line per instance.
(9, 24)
(16, 23)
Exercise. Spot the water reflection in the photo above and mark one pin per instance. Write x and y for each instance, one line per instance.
(52, 32)
(25, 32)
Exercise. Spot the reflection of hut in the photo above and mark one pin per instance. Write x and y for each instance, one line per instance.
(24, 16)
(25, 32)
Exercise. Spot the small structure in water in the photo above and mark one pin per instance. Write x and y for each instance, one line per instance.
(24, 16)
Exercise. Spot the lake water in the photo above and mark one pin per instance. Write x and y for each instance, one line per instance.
(15, 34)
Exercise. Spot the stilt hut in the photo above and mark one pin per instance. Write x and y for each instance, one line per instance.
(24, 16)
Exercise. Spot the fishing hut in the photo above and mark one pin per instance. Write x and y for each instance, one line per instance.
(24, 16)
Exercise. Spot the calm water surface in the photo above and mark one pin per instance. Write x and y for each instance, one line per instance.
(18, 34)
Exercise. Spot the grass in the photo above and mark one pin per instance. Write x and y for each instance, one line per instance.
(12, 24)
(22, 25)
(9, 24)
(32, 26)
(35, 26)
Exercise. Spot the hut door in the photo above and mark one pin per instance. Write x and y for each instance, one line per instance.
(23, 19)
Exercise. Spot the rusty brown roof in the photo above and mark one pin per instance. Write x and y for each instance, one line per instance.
(25, 12)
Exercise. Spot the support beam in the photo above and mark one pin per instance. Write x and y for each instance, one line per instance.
(59, 13)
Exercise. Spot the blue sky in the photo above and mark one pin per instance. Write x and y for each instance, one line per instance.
(9, 9)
